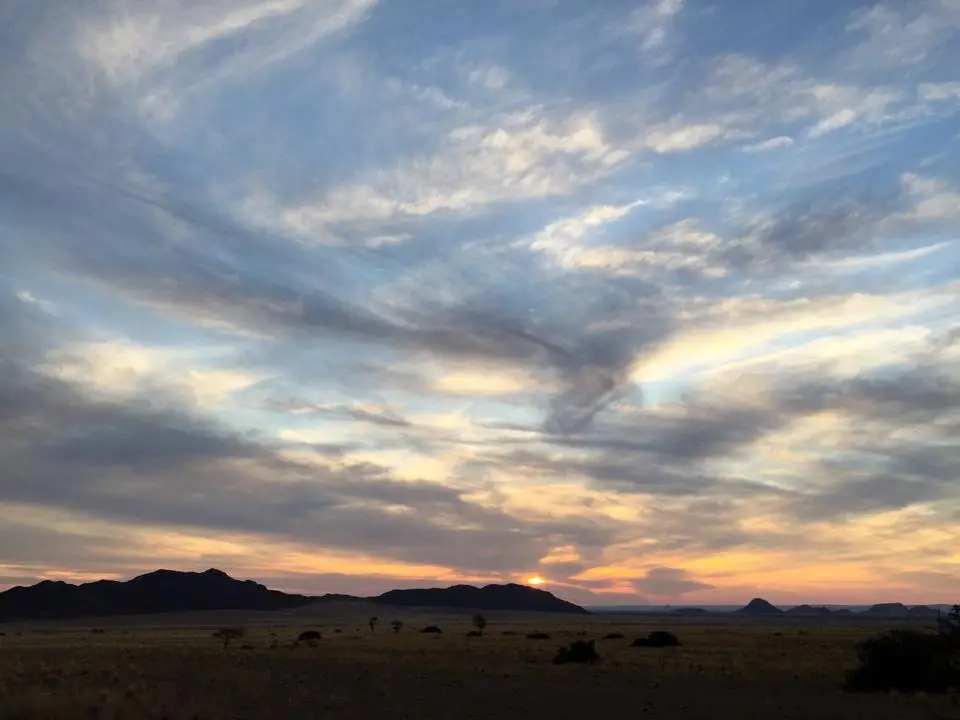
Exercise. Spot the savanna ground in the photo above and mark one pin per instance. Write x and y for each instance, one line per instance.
(172, 668)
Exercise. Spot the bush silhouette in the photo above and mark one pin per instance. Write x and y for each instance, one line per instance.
(907, 660)
(538, 636)
(310, 637)
(579, 651)
(613, 636)
(657, 639)
(431, 629)
(474, 633)
(397, 625)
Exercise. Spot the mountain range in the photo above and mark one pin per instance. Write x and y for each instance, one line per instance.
(893, 611)
(170, 591)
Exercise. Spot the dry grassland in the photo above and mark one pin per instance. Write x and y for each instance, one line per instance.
(168, 669)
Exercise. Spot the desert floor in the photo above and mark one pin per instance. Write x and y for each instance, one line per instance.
(170, 667)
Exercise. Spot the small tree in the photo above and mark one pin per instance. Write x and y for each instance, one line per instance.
(372, 622)
(480, 623)
(228, 635)
(397, 625)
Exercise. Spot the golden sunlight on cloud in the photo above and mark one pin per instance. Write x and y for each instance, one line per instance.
(121, 368)
(746, 326)
(481, 383)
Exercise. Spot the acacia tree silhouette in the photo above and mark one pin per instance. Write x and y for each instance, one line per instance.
(228, 635)
(480, 623)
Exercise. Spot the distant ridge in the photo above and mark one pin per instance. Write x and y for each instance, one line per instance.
(161, 591)
(810, 610)
(172, 591)
(488, 597)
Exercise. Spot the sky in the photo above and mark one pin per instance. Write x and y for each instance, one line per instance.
(657, 300)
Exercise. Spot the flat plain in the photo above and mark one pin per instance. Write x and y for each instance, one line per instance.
(170, 667)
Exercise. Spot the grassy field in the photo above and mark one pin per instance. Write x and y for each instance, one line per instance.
(171, 668)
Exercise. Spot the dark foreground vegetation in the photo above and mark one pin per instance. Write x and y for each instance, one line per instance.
(910, 660)
(340, 668)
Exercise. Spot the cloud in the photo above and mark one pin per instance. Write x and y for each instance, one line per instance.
(774, 143)
(652, 22)
(683, 138)
(663, 581)
(285, 291)
(516, 156)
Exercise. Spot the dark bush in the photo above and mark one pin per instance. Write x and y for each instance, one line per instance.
(474, 633)
(97, 631)
(431, 629)
(613, 636)
(579, 651)
(248, 647)
(907, 660)
(538, 636)
(657, 639)
(508, 632)
(310, 637)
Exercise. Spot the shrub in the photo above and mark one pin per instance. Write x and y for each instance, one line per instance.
(431, 629)
(907, 660)
(579, 651)
(310, 637)
(397, 625)
(97, 631)
(613, 636)
(474, 633)
(228, 635)
(657, 639)
(538, 636)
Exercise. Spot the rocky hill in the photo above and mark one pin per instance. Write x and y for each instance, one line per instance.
(488, 597)
(759, 606)
(810, 611)
(162, 591)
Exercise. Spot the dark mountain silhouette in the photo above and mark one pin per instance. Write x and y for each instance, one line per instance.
(810, 610)
(171, 591)
(922, 611)
(690, 611)
(887, 610)
(161, 591)
(759, 606)
(488, 597)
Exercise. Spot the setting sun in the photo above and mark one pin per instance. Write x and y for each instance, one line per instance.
(535, 580)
